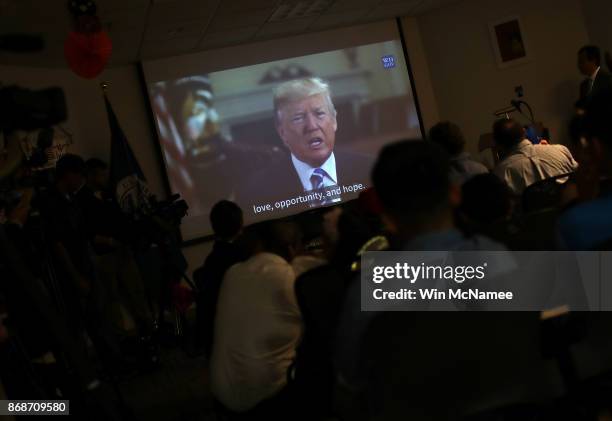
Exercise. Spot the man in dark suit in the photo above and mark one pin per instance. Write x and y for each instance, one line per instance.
(306, 121)
(597, 79)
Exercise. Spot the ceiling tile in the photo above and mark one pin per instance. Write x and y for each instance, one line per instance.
(225, 38)
(168, 47)
(44, 11)
(222, 22)
(391, 10)
(105, 6)
(339, 19)
(182, 10)
(172, 30)
(344, 5)
(273, 29)
(242, 6)
(125, 47)
(429, 5)
(126, 20)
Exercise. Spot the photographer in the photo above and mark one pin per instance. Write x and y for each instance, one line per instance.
(113, 259)
(66, 232)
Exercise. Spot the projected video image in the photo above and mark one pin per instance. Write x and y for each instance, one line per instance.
(284, 136)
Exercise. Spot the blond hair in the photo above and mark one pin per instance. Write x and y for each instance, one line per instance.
(298, 89)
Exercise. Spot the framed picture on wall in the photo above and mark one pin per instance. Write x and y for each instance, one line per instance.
(509, 44)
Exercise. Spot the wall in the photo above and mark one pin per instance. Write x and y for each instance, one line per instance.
(597, 17)
(420, 72)
(469, 86)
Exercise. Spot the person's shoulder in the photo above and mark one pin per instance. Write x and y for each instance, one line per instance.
(236, 271)
(559, 149)
(604, 80)
(504, 166)
(277, 179)
(593, 214)
(604, 74)
(474, 167)
(350, 158)
(353, 166)
(554, 146)
(313, 277)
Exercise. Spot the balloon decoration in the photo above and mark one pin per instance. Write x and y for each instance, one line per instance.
(87, 48)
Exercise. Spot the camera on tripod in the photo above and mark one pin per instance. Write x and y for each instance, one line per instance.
(27, 110)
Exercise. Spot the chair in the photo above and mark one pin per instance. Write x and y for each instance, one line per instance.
(544, 194)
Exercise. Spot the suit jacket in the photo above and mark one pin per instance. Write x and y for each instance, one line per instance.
(602, 83)
(280, 181)
(208, 279)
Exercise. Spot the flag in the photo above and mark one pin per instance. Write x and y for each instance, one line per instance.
(127, 179)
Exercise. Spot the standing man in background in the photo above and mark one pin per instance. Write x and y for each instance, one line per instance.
(597, 79)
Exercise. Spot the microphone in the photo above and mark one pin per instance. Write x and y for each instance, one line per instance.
(21, 43)
(517, 104)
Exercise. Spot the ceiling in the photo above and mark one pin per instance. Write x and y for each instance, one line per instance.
(144, 29)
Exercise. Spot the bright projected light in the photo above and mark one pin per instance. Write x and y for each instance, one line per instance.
(285, 135)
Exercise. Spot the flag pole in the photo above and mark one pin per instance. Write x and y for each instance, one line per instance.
(104, 86)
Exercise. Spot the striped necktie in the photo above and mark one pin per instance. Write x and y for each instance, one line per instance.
(316, 179)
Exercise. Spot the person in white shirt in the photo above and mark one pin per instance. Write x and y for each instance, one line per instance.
(524, 163)
(258, 323)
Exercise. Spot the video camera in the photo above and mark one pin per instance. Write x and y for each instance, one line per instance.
(25, 109)
(172, 209)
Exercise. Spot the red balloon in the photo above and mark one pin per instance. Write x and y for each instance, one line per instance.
(87, 53)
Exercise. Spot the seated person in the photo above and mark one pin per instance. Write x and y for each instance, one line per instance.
(320, 293)
(588, 226)
(523, 163)
(108, 230)
(486, 207)
(258, 327)
(226, 221)
(418, 200)
(448, 135)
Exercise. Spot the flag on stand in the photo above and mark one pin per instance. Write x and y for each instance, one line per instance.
(127, 179)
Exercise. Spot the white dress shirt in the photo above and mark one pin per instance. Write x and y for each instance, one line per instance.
(257, 328)
(528, 163)
(593, 77)
(305, 171)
